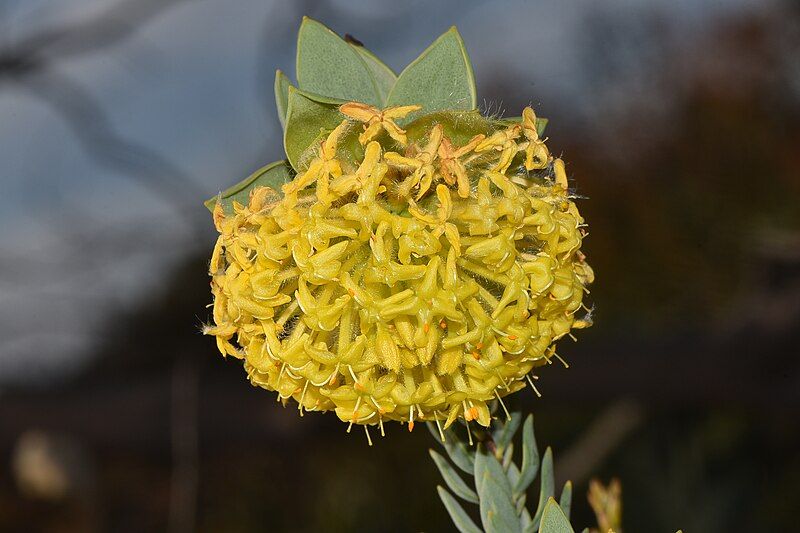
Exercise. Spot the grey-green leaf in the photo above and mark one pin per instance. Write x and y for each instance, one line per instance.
(453, 480)
(508, 456)
(524, 516)
(308, 118)
(512, 472)
(565, 501)
(439, 79)
(384, 77)
(530, 457)
(498, 513)
(457, 514)
(327, 65)
(547, 485)
(282, 84)
(455, 448)
(273, 175)
(504, 434)
(554, 520)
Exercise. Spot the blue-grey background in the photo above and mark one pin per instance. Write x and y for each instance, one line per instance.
(678, 120)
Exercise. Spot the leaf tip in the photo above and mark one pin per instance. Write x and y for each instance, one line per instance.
(212, 202)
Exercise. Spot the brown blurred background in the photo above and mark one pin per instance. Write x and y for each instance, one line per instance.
(680, 124)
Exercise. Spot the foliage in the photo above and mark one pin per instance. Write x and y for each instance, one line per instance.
(500, 486)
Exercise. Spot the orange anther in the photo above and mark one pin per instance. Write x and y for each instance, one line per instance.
(479, 346)
(352, 292)
(426, 328)
(476, 356)
(358, 386)
(443, 324)
(411, 426)
(512, 337)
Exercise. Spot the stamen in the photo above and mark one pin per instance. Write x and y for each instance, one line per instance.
(334, 374)
(278, 383)
(539, 394)
(439, 427)
(350, 368)
(302, 397)
(369, 439)
(508, 415)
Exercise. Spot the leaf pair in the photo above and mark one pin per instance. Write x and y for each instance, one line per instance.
(331, 71)
(440, 78)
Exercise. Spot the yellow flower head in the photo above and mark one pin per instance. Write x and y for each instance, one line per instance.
(365, 291)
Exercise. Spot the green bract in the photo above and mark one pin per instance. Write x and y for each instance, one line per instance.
(331, 71)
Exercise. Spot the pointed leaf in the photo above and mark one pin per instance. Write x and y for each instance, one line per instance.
(439, 79)
(521, 507)
(460, 518)
(504, 434)
(565, 501)
(541, 124)
(508, 456)
(554, 520)
(273, 175)
(530, 457)
(308, 118)
(524, 515)
(457, 450)
(384, 77)
(498, 513)
(453, 480)
(547, 485)
(327, 65)
(513, 475)
(460, 454)
(282, 84)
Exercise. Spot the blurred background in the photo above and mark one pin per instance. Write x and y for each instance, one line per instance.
(679, 121)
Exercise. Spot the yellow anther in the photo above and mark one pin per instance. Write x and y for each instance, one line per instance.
(376, 120)
(560, 174)
(450, 164)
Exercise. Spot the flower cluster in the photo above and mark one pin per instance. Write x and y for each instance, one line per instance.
(417, 282)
